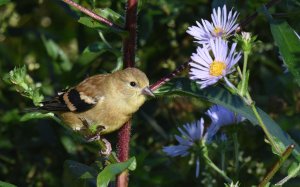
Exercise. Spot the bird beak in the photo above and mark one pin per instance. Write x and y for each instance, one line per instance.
(147, 91)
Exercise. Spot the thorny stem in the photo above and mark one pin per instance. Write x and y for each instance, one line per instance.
(277, 165)
(169, 76)
(123, 152)
(93, 15)
(129, 45)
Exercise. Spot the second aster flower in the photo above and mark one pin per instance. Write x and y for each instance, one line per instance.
(213, 62)
(222, 26)
(192, 138)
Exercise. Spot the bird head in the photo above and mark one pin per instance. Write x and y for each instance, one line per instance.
(133, 85)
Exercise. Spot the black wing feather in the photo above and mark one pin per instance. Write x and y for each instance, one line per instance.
(58, 103)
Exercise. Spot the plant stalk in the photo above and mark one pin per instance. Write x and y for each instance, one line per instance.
(168, 77)
(277, 165)
(262, 125)
(217, 169)
(236, 155)
(243, 89)
(93, 15)
(129, 45)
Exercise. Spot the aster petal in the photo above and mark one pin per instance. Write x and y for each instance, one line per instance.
(204, 31)
(221, 116)
(195, 130)
(197, 166)
(184, 134)
(199, 66)
(206, 83)
(183, 141)
(211, 131)
(176, 150)
(199, 74)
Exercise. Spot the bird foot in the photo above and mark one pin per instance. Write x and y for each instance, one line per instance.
(93, 138)
(108, 148)
(104, 151)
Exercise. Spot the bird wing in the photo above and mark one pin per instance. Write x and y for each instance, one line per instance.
(78, 99)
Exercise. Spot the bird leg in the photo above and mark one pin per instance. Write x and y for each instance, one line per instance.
(95, 136)
(108, 148)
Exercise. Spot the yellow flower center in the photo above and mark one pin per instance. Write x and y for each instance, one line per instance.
(218, 31)
(216, 68)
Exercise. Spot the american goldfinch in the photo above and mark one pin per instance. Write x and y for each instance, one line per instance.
(106, 100)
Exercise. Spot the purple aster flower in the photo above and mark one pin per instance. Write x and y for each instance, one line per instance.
(191, 136)
(221, 116)
(223, 25)
(213, 62)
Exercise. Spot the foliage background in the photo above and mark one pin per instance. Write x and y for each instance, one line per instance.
(33, 153)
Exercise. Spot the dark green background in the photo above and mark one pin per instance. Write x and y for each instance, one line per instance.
(32, 153)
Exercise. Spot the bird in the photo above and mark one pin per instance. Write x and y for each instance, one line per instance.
(106, 101)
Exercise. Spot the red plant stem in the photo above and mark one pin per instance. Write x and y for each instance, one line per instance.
(250, 18)
(93, 14)
(129, 45)
(169, 76)
(123, 152)
(130, 41)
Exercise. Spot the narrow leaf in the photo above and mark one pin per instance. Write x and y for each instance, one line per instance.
(35, 115)
(288, 43)
(57, 54)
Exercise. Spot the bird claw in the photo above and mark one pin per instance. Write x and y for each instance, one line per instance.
(94, 138)
(108, 148)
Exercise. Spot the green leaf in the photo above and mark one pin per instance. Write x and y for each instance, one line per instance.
(220, 96)
(91, 52)
(68, 144)
(5, 184)
(112, 170)
(24, 84)
(90, 22)
(78, 175)
(111, 15)
(57, 54)
(3, 2)
(94, 24)
(35, 115)
(293, 171)
(288, 44)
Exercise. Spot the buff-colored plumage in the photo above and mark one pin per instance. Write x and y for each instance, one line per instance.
(113, 99)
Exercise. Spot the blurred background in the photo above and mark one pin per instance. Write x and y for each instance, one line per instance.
(32, 153)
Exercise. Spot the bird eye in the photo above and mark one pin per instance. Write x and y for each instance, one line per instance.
(133, 84)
